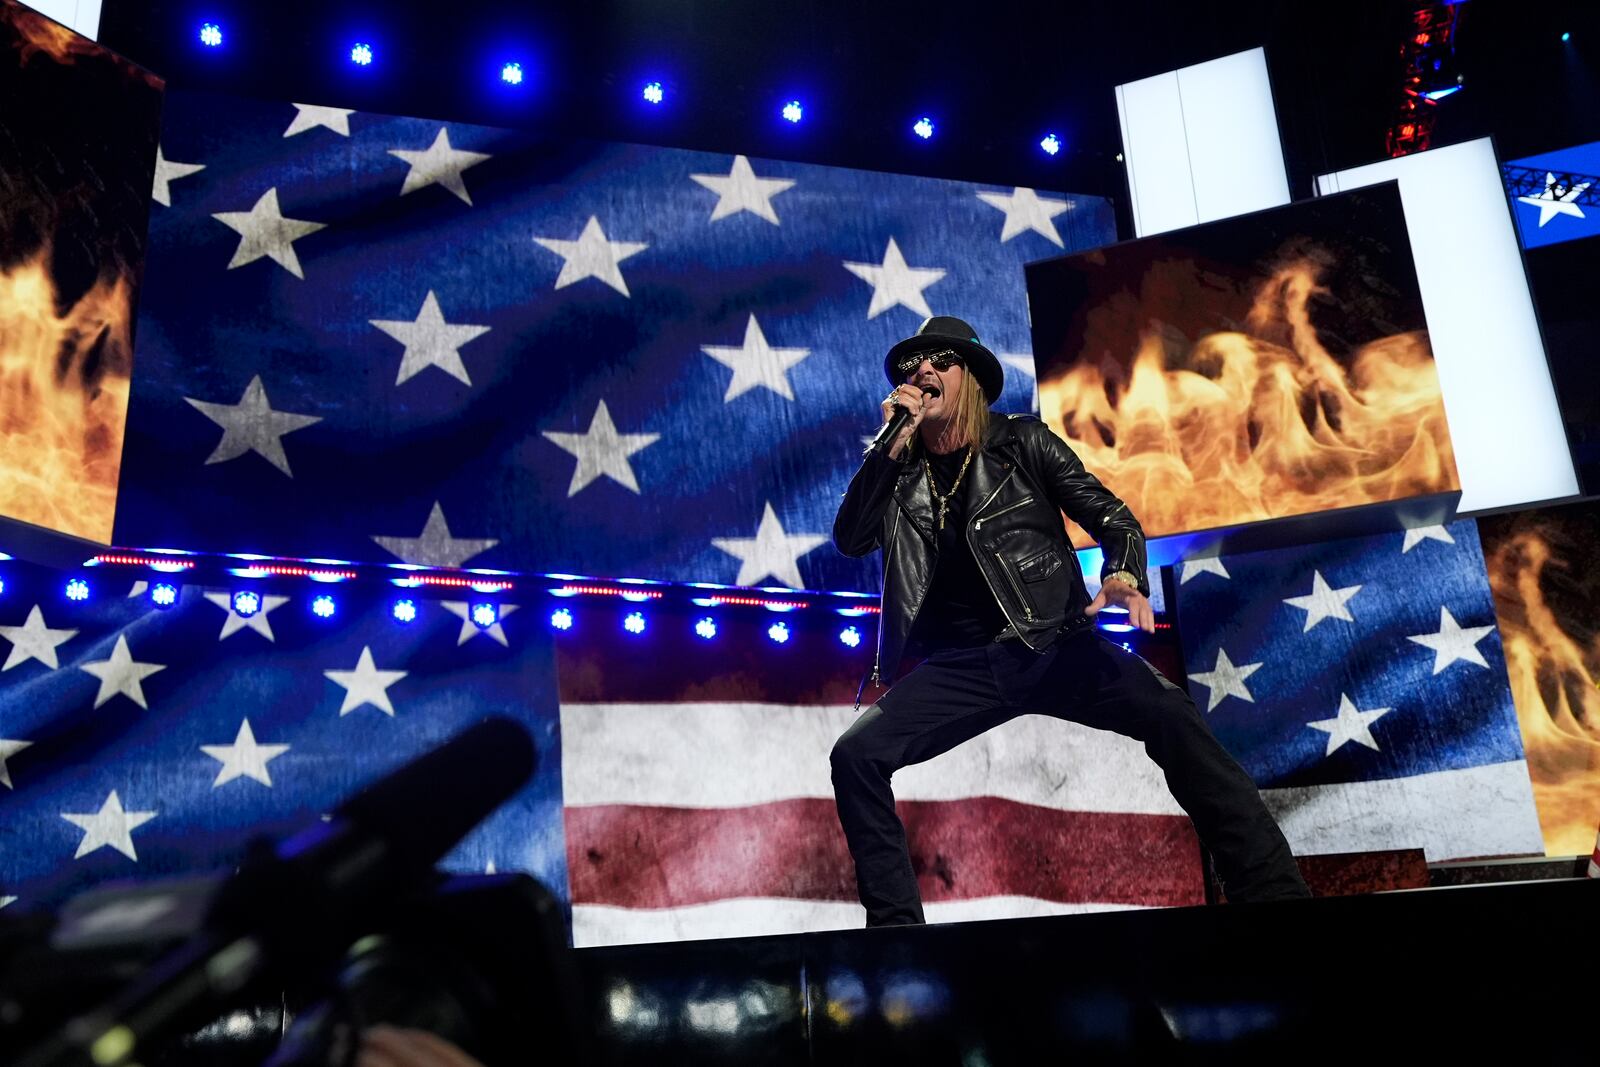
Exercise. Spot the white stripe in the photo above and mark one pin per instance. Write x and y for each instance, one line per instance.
(1478, 811)
(598, 924)
(731, 755)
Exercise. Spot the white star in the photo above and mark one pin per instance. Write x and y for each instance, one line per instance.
(488, 868)
(592, 256)
(6, 902)
(236, 622)
(740, 190)
(434, 547)
(252, 426)
(1351, 725)
(1023, 361)
(1550, 205)
(138, 589)
(1453, 642)
(1416, 536)
(1226, 680)
(121, 674)
(430, 341)
(1193, 568)
(439, 163)
(108, 826)
(469, 629)
(310, 116)
(365, 685)
(1323, 602)
(168, 171)
(1027, 210)
(893, 283)
(770, 551)
(263, 231)
(602, 452)
(244, 758)
(34, 640)
(756, 363)
(7, 750)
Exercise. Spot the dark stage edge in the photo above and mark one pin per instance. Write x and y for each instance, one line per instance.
(1497, 973)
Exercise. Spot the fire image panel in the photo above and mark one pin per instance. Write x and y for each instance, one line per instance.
(1265, 367)
(78, 135)
(1541, 568)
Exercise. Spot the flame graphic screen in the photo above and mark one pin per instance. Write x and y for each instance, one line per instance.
(78, 133)
(1546, 588)
(1271, 365)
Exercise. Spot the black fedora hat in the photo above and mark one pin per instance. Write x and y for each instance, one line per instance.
(947, 331)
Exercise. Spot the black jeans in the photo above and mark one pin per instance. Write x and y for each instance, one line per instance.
(956, 695)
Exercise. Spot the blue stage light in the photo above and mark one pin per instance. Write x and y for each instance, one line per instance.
(633, 622)
(77, 589)
(511, 73)
(1118, 627)
(485, 615)
(324, 606)
(706, 628)
(2, 585)
(850, 637)
(793, 112)
(561, 619)
(246, 604)
(779, 632)
(654, 94)
(163, 594)
(211, 35)
(361, 54)
(1566, 36)
(923, 128)
(404, 610)
(1051, 144)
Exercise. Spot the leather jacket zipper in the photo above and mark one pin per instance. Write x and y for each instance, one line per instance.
(1025, 501)
(998, 599)
(888, 558)
(1016, 587)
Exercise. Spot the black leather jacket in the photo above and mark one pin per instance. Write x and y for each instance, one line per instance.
(1019, 483)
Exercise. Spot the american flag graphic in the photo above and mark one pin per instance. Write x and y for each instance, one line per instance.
(139, 742)
(1363, 685)
(379, 338)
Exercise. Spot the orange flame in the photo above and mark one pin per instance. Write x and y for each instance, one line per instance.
(1258, 423)
(1554, 686)
(64, 382)
(41, 35)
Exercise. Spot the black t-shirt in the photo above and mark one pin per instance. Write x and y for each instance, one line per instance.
(960, 610)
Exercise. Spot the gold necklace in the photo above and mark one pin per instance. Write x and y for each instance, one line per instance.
(944, 501)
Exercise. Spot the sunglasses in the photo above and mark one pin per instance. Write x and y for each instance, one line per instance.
(941, 360)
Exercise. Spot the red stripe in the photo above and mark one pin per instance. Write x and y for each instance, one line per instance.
(657, 857)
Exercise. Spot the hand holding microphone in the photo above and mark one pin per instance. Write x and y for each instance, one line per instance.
(902, 414)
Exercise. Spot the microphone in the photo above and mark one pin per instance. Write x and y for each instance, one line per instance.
(891, 429)
(297, 904)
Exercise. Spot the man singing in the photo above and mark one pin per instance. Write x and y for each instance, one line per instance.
(980, 581)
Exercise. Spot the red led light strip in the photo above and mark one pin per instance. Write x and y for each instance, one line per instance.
(296, 572)
(757, 602)
(439, 579)
(145, 561)
(606, 590)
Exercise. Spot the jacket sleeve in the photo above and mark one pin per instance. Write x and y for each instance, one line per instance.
(1087, 502)
(857, 529)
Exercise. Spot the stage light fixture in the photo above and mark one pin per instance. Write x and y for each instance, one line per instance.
(211, 35)
(850, 637)
(779, 632)
(511, 73)
(1051, 144)
(324, 606)
(77, 589)
(1118, 627)
(1566, 36)
(361, 54)
(404, 611)
(793, 112)
(163, 594)
(923, 127)
(706, 628)
(654, 94)
(246, 603)
(2, 585)
(561, 619)
(485, 615)
(633, 622)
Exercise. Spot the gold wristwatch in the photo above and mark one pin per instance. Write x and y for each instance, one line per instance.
(1125, 577)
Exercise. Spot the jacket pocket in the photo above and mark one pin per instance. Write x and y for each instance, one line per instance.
(1039, 566)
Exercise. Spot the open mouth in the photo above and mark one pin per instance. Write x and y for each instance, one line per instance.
(932, 391)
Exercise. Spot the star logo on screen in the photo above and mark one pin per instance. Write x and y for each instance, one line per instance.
(1560, 197)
